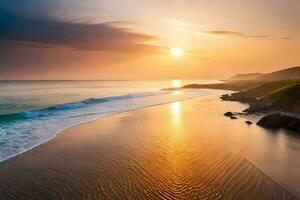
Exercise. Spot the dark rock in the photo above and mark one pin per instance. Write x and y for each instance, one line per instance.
(275, 121)
(225, 97)
(258, 106)
(293, 125)
(233, 117)
(248, 122)
(239, 96)
(228, 114)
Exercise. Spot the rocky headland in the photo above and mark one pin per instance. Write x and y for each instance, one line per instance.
(276, 95)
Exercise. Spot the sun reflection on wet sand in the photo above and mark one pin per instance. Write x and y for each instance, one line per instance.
(175, 137)
(176, 113)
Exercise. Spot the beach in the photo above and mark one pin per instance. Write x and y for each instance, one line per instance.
(180, 150)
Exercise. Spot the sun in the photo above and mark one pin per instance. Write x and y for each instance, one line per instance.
(177, 52)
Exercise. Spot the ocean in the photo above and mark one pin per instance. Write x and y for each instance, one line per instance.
(34, 112)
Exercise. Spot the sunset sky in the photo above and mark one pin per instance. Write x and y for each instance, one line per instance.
(133, 39)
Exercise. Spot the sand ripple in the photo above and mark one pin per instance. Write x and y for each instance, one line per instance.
(123, 157)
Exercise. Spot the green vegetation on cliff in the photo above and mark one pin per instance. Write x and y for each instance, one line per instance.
(275, 95)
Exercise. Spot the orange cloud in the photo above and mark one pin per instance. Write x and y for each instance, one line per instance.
(234, 34)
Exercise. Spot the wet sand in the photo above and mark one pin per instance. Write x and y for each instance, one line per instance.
(171, 151)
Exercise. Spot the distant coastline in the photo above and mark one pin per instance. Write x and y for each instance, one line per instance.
(276, 92)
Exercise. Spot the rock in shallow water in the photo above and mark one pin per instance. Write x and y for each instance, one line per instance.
(277, 121)
(248, 122)
(228, 114)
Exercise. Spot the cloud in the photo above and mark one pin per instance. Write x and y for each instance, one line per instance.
(286, 38)
(234, 34)
(81, 36)
(30, 7)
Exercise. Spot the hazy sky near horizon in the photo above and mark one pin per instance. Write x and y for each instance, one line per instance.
(132, 39)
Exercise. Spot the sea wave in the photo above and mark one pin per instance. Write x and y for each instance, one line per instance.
(74, 105)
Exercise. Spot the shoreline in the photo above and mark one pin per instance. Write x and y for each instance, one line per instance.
(56, 133)
(31, 163)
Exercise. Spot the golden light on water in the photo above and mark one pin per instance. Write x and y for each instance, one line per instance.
(176, 83)
(177, 92)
